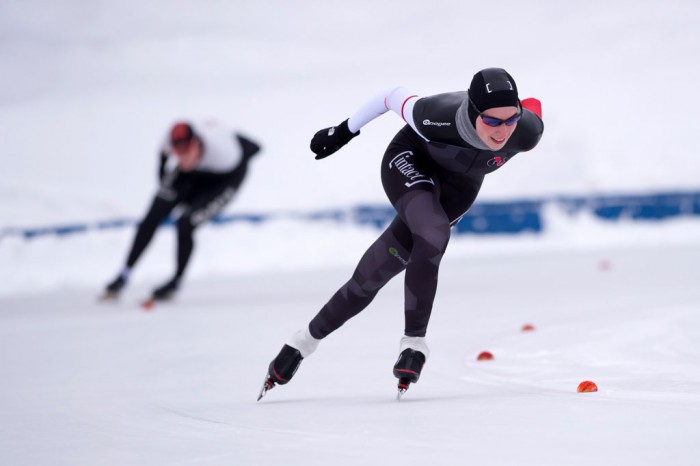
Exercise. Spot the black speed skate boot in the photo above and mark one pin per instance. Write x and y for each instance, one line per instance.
(281, 369)
(413, 351)
(166, 291)
(407, 368)
(285, 365)
(114, 288)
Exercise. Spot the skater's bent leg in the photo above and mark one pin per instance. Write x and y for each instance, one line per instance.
(430, 229)
(185, 243)
(159, 210)
(387, 257)
(202, 208)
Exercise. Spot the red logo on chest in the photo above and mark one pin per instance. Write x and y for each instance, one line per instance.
(497, 161)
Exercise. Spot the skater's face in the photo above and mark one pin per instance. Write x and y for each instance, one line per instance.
(496, 125)
(188, 154)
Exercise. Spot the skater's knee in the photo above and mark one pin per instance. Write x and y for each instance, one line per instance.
(436, 234)
(362, 289)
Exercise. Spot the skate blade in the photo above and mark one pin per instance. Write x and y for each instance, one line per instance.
(403, 388)
(108, 296)
(149, 303)
(268, 385)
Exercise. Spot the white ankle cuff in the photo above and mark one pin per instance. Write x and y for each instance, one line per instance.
(304, 342)
(415, 343)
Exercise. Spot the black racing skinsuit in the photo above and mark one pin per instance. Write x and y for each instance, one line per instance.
(201, 194)
(431, 185)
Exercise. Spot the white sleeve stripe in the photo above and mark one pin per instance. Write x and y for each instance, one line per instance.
(410, 121)
(397, 99)
(401, 101)
(404, 105)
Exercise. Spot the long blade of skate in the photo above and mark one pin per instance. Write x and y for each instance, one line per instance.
(268, 385)
(108, 296)
(403, 387)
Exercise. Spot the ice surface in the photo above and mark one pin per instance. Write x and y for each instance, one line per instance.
(89, 383)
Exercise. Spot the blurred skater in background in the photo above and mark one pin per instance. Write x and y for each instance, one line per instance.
(432, 172)
(202, 166)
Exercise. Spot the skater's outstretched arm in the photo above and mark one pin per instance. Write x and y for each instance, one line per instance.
(397, 99)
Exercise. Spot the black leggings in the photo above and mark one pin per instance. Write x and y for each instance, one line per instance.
(428, 201)
(201, 195)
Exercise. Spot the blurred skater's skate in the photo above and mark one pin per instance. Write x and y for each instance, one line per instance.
(113, 290)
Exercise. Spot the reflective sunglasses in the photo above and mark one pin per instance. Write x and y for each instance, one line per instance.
(493, 121)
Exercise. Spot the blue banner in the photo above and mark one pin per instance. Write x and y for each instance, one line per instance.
(507, 217)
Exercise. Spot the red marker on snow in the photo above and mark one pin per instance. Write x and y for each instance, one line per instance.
(484, 356)
(587, 386)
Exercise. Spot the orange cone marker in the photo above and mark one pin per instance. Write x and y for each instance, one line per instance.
(484, 356)
(587, 386)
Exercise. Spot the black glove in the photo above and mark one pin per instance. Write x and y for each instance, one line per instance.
(249, 147)
(329, 140)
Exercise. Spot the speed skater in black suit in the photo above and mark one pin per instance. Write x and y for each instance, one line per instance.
(432, 172)
(202, 166)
